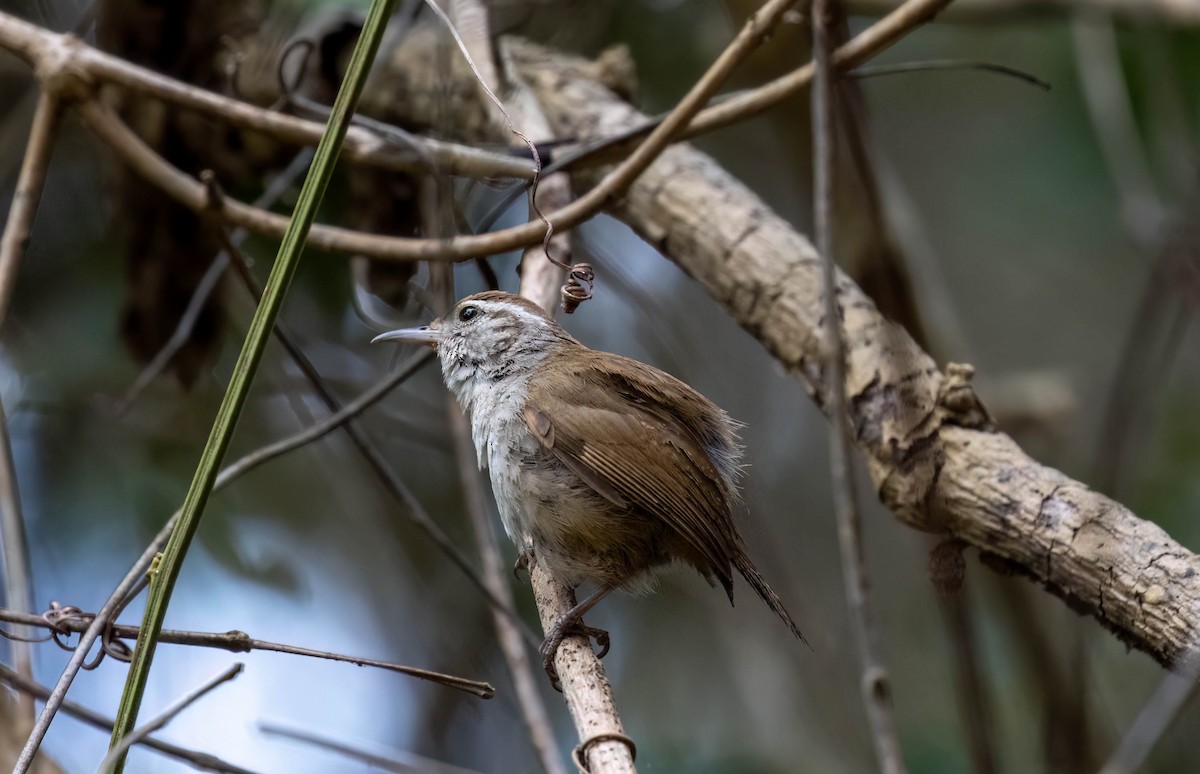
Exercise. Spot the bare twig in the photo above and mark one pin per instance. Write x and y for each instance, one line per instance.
(117, 600)
(413, 764)
(747, 104)
(202, 761)
(738, 106)
(117, 753)
(875, 686)
(240, 642)
(928, 65)
(27, 195)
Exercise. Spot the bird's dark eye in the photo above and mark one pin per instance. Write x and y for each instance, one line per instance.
(468, 312)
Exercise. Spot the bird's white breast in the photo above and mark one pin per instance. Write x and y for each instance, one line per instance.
(502, 441)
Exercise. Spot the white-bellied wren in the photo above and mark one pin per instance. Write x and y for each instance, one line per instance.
(608, 468)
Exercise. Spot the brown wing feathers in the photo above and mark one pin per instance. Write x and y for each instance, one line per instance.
(620, 435)
(637, 453)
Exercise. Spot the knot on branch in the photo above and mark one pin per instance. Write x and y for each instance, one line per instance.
(907, 472)
(958, 401)
(59, 70)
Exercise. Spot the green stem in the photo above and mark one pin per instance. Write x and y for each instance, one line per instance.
(166, 571)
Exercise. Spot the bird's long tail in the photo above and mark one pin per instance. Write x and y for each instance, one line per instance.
(743, 564)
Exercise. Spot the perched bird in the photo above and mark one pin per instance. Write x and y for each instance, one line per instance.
(608, 469)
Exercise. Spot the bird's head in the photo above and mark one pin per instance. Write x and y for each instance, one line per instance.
(486, 339)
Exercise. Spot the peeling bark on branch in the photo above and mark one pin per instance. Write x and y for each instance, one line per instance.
(933, 456)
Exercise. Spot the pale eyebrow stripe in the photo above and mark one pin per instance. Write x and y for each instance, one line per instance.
(518, 311)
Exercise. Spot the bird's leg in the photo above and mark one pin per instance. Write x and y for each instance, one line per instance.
(571, 624)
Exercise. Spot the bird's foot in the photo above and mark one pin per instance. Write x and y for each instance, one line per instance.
(524, 560)
(569, 627)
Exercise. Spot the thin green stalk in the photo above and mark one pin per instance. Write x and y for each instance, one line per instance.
(166, 572)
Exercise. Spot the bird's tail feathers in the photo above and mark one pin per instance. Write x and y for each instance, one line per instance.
(743, 564)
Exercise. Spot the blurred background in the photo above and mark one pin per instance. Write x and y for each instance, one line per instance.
(1047, 237)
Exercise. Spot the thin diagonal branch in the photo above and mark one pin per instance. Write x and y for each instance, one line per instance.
(412, 762)
(117, 754)
(28, 194)
(1180, 13)
(875, 685)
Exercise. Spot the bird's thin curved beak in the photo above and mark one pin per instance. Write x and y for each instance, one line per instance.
(423, 335)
